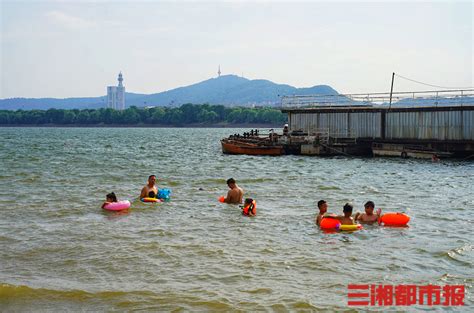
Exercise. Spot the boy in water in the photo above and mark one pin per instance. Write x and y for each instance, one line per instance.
(249, 208)
(368, 217)
(323, 208)
(346, 219)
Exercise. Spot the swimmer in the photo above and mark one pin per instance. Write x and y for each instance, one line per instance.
(149, 190)
(323, 208)
(109, 198)
(368, 217)
(346, 219)
(249, 208)
(235, 193)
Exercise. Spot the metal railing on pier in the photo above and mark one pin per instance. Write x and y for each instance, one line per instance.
(459, 97)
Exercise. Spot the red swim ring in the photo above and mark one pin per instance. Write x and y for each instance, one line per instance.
(394, 219)
(329, 223)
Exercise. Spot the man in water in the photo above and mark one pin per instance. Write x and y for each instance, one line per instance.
(368, 217)
(346, 219)
(235, 193)
(150, 190)
(323, 208)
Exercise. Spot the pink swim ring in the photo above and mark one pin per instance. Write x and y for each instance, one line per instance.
(117, 206)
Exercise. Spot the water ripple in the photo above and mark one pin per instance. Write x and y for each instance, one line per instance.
(61, 252)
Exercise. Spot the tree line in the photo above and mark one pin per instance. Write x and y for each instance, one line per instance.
(178, 116)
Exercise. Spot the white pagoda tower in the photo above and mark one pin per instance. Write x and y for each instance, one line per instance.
(116, 95)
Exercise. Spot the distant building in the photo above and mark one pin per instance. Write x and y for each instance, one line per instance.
(116, 95)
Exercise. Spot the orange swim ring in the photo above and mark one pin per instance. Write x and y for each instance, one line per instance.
(329, 223)
(394, 219)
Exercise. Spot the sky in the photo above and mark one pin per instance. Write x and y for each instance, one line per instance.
(76, 48)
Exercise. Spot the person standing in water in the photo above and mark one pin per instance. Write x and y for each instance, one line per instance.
(368, 217)
(149, 190)
(235, 193)
(323, 208)
(346, 219)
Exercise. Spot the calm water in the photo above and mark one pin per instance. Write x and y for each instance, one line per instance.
(59, 251)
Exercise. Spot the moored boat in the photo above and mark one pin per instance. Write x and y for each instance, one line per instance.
(232, 146)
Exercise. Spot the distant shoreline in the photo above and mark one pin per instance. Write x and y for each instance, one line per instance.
(226, 125)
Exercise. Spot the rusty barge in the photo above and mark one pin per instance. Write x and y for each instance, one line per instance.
(251, 146)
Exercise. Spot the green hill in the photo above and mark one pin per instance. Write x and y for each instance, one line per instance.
(229, 90)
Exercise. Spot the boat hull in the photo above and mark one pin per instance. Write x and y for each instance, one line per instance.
(239, 147)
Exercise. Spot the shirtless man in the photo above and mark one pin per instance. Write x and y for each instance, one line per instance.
(323, 208)
(368, 217)
(235, 193)
(346, 219)
(150, 190)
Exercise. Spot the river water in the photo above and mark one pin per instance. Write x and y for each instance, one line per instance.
(59, 251)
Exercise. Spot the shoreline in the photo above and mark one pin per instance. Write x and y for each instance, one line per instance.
(239, 125)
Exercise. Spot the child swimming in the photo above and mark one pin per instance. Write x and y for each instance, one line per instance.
(109, 198)
(249, 208)
(346, 219)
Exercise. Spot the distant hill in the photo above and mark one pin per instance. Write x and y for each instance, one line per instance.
(228, 90)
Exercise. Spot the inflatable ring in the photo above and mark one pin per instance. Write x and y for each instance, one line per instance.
(221, 199)
(394, 219)
(350, 227)
(329, 223)
(147, 199)
(117, 206)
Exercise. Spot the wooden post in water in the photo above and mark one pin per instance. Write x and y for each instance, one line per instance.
(391, 91)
